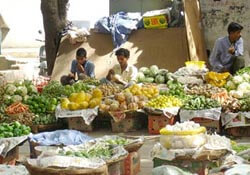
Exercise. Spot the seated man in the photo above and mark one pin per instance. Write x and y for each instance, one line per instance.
(227, 52)
(80, 67)
(122, 73)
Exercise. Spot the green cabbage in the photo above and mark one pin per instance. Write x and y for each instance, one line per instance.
(154, 70)
(7, 99)
(163, 72)
(140, 77)
(144, 70)
(160, 79)
(21, 90)
(31, 89)
(149, 80)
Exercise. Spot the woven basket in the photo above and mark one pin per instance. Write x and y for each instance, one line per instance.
(36, 170)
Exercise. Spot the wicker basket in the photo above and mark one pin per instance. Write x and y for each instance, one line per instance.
(36, 170)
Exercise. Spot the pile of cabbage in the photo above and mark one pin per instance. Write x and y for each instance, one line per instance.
(19, 91)
(153, 75)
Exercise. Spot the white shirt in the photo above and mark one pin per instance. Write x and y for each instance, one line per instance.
(129, 74)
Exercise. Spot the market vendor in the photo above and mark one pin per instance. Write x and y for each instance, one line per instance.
(80, 68)
(122, 73)
(227, 54)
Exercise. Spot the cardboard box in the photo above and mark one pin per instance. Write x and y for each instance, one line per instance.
(243, 131)
(211, 125)
(131, 165)
(156, 122)
(155, 22)
(131, 122)
(198, 167)
(78, 123)
(114, 169)
(11, 157)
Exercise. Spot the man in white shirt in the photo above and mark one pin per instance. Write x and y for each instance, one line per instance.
(122, 73)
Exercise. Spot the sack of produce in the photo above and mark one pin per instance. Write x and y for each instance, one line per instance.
(183, 135)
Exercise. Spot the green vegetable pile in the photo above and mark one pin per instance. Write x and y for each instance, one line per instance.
(117, 141)
(240, 148)
(14, 129)
(75, 88)
(91, 81)
(56, 90)
(98, 150)
(175, 89)
(18, 91)
(200, 102)
(39, 104)
(53, 89)
(152, 75)
(245, 104)
(242, 71)
(44, 119)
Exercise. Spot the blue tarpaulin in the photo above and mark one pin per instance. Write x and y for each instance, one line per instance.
(60, 137)
(120, 25)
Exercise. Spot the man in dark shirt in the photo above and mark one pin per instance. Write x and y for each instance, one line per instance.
(80, 68)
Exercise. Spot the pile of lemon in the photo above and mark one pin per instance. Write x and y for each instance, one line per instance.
(163, 101)
(149, 91)
(82, 100)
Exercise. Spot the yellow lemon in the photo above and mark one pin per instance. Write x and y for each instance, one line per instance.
(64, 100)
(83, 105)
(97, 93)
(88, 97)
(73, 97)
(64, 105)
(73, 106)
(80, 97)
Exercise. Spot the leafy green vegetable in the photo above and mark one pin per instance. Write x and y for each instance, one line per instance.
(200, 102)
(240, 148)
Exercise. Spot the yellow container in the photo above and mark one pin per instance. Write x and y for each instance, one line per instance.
(155, 22)
(199, 64)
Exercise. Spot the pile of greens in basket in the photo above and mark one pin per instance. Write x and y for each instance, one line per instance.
(199, 103)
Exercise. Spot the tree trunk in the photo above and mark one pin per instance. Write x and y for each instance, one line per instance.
(54, 20)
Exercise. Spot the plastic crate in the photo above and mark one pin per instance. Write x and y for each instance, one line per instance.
(155, 22)
(157, 122)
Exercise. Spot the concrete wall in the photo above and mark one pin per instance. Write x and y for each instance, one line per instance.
(218, 14)
(24, 18)
(137, 5)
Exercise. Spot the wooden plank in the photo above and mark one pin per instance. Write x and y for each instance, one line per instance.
(195, 34)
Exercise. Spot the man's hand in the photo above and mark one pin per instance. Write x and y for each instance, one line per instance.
(231, 50)
(71, 75)
(110, 73)
(80, 68)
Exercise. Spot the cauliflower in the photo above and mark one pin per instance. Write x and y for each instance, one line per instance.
(230, 85)
(236, 94)
(238, 79)
(244, 87)
(17, 98)
(10, 89)
(246, 76)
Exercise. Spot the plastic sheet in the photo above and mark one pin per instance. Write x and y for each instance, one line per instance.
(60, 137)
